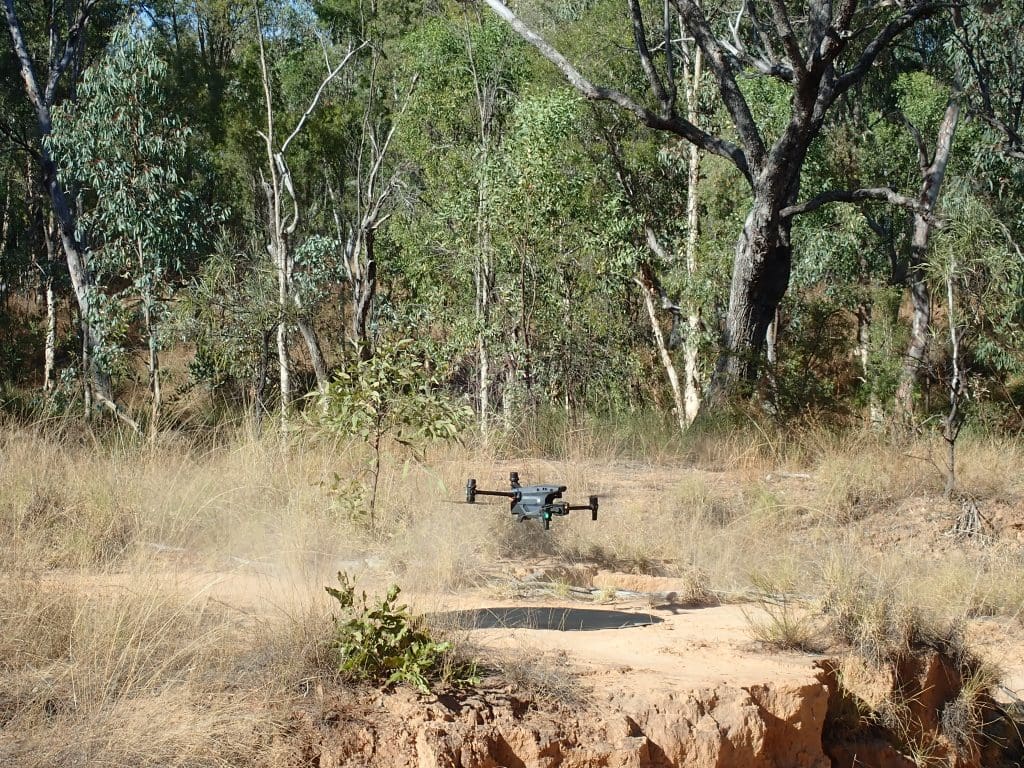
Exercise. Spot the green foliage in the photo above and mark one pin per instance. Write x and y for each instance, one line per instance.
(516, 210)
(394, 392)
(228, 313)
(127, 153)
(382, 643)
(977, 249)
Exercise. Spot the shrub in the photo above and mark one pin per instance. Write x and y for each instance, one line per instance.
(382, 643)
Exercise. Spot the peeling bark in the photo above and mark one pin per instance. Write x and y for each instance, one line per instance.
(691, 344)
(50, 337)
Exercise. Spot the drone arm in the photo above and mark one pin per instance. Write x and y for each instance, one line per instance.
(472, 492)
(592, 506)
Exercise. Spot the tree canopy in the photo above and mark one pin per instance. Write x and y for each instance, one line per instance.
(231, 204)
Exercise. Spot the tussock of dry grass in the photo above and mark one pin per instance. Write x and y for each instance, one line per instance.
(133, 674)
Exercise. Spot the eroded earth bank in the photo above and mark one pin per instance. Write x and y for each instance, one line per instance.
(674, 686)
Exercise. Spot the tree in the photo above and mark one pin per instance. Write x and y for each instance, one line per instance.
(985, 51)
(127, 154)
(279, 189)
(932, 166)
(395, 393)
(819, 57)
(45, 83)
(469, 71)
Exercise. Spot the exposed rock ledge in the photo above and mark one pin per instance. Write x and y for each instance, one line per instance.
(803, 723)
(763, 726)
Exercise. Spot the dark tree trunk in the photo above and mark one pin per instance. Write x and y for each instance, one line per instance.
(821, 55)
(760, 277)
(364, 293)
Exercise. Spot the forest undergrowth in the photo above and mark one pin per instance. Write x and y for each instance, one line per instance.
(163, 602)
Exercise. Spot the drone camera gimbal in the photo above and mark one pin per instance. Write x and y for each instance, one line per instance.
(533, 502)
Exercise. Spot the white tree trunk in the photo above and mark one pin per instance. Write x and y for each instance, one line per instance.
(50, 343)
(691, 344)
(933, 171)
(50, 340)
(666, 359)
(284, 365)
(154, 365)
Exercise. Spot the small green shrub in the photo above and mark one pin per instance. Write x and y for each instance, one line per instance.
(383, 643)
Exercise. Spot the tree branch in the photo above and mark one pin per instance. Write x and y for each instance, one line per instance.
(919, 10)
(672, 124)
(732, 97)
(71, 47)
(923, 160)
(885, 194)
(331, 74)
(640, 39)
(28, 73)
(785, 30)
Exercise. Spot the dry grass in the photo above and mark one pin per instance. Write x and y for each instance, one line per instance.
(133, 674)
(110, 655)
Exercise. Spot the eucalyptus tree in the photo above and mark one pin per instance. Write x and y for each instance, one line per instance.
(48, 78)
(818, 56)
(366, 179)
(985, 49)
(470, 70)
(122, 147)
(283, 205)
(932, 165)
(545, 194)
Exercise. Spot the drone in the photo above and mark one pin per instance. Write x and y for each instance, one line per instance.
(533, 502)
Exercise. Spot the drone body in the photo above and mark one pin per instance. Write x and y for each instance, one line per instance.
(533, 502)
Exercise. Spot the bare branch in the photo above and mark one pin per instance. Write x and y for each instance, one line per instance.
(71, 47)
(28, 73)
(923, 159)
(17, 140)
(885, 194)
(373, 217)
(919, 10)
(331, 74)
(784, 27)
(640, 38)
(732, 97)
(767, 64)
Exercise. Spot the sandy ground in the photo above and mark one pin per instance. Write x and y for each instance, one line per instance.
(626, 646)
(680, 648)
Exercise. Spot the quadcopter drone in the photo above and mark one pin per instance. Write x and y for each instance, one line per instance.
(533, 502)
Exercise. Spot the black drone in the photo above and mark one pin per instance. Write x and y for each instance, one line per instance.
(533, 502)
